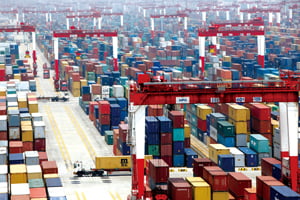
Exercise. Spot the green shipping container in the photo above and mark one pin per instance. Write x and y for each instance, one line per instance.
(109, 137)
(259, 143)
(153, 150)
(36, 183)
(178, 134)
(225, 128)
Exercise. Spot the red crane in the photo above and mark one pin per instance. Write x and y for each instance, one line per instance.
(83, 33)
(232, 29)
(270, 11)
(24, 28)
(94, 15)
(144, 92)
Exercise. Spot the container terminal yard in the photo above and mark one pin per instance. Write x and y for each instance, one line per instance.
(156, 100)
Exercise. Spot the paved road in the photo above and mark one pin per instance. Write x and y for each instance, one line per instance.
(71, 136)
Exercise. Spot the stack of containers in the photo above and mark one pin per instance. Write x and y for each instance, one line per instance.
(177, 118)
(118, 91)
(226, 162)
(155, 110)
(271, 167)
(187, 136)
(217, 179)
(75, 84)
(104, 116)
(165, 133)
(237, 182)
(260, 145)
(153, 137)
(202, 112)
(251, 158)
(276, 143)
(123, 103)
(115, 115)
(263, 185)
(226, 134)
(189, 156)
(122, 145)
(214, 118)
(27, 135)
(198, 165)
(239, 157)
(158, 173)
(201, 189)
(238, 116)
(32, 103)
(215, 150)
(39, 134)
(179, 189)
(85, 93)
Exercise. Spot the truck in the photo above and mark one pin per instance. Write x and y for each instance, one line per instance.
(63, 85)
(106, 165)
(46, 73)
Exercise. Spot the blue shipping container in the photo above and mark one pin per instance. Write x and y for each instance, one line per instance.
(178, 147)
(283, 193)
(276, 171)
(4, 196)
(165, 124)
(124, 148)
(226, 162)
(189, 154)
(53, 182)
(178, 160)
(226, 141)
(152, 125)
(16, 158)
(251, 158)
(115, 110)
(153, 139)
(123, 103)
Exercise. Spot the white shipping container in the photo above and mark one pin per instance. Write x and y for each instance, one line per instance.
(12, 104)
(213, 133)
(23, 86)
(11, 98)
(118, 91)
(39, 129)
(3, 143)
(3, 155)
(31, 158)
(103, 96)
(3, 122)
(3, 173)
(4, 187)
(8, 69)
(276, 136)
(19, 189)
(14, 133)
(239, 157)
(176, 74)
(104, 89)
(37, 117)
(56, 192)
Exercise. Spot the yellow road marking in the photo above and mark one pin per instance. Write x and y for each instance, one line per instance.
(118, 196)
(83, 196)
(38, 87)
(58, 136)
(77, 195)
(81, 133)
(112, 196)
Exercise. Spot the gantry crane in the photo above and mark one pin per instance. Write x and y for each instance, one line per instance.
(25, 29)
(145, 92)
(270, 11)
(95, 15)
(73, 32)
(233, 29)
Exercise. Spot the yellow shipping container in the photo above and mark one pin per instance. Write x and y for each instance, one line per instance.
(117, 162)
(227, 58)
(83, 82)
(237, 112)
(2, 66)
(26, 123)
(18, 174)
(275, 124)
(76, 92)
(187, 131)
(194, 179)
(33, 107)
(17, 76)
(12, 108)
(27, 133)
(22, 102)
(215, 150)
(240, 127)
(2, 92)
(50, 176)
(76, 85)
(220, 195)
(34, 172)
(202, 111)
(201, 190)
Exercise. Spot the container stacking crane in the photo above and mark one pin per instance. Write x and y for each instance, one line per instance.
(144, 92)
(73, 32)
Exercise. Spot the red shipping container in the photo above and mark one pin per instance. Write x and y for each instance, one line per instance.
(171, 181)
(266, 188)
(123, 131)
(20, 197)
(218, 181)
(269, 136)
(96, 89)
(104, 119)
(267, 166)
(202, 124)
(261, 126)
(27, 146)
(261, 111)
(147, 191)
(155, 110)
(237, 181)
(159, 170)
(166, 150)
(250, 194)
(38, 193)
(15, 147)
(177, 118)
(168, 160)
(75, 77)
(208, 169)
(259, 184)
(43, 156)
(181, 191)
(2, 72)
(199, 164)
(3, 135)
(86, 97)
(40, 144)
(49, 167)
(166, 138)
(104, 107)
(187, 142)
